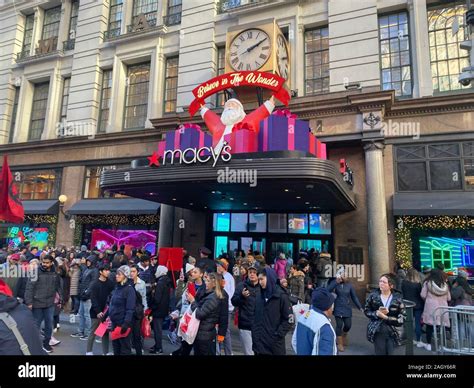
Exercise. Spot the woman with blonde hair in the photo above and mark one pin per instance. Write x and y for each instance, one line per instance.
(208, 308)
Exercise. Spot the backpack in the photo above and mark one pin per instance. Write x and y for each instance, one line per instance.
(11, 324)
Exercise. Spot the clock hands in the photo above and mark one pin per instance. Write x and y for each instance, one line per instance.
(253, 46)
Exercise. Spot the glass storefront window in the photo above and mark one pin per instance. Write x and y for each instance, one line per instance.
(257, 222)
(239, 222)
(277, 223)
(319, 223)
(469, 173)
(308, 244)
(220, 245)
(38, 184)
(298, 223)
(221, 222)
(92, 182)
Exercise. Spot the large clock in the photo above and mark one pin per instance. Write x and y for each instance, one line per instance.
(283, 57)
(250, 50)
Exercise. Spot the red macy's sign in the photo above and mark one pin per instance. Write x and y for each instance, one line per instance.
(241, 78)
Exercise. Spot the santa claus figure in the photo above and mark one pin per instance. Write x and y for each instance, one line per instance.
(233, 118)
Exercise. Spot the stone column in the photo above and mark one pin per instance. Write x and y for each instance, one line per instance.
(419, 44)
(63, 34)
(167, 222)
(379, 260)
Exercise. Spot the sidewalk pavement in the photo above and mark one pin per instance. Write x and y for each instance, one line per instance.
(358, 344)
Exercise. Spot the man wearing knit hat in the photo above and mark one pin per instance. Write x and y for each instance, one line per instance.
(314, 334)
(232, 115)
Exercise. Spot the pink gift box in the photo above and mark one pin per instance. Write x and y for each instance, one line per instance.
(242, 141)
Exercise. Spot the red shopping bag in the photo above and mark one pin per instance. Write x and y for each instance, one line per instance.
(102, 328)
(146, 328)
(116, 333)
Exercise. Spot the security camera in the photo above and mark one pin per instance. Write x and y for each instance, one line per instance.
(466, 76)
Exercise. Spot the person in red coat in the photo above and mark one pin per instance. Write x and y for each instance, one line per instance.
(233, 118)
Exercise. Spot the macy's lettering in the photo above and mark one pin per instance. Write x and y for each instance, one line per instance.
(194, 155)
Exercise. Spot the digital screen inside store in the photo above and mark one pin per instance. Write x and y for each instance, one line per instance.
(105, 239)
(17, 235)
(452, 253)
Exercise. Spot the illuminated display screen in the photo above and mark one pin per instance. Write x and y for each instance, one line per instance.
(141, 239)
(16, 235)
(452, 252)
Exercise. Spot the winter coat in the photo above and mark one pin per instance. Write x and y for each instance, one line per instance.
(280, 268)
(396, 315)
(434, 297)
(160, 299)
(223, 323)
(122, 304)
(41, 292)
(26, 325)
(322, 266)
(145, 274)
(140, 287)
(411, 291)
(271, 323)
(345, 293)
(296, 285)
(100, 293)
(246, 306)
(88, 276)
(74, 273)
(208, 311)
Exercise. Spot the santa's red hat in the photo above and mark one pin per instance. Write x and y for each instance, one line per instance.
(4, 289)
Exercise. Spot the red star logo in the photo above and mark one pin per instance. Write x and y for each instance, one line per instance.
(153, 160)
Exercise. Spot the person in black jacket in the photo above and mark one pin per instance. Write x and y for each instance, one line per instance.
(244, 299)
(208, 310)
(121, 308)
(159, 304)
(272, 316)
(411, 290)
(39, 296)
(100, 293)
(224, 318)
(25, 322)
(88, 275)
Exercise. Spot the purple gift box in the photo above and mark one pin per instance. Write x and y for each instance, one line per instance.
(281, 131)
(188, 136)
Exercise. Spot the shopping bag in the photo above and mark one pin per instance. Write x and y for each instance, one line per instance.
(146, 328)
(299, 310)
(116, 333)
(102, 328)
(188, 326)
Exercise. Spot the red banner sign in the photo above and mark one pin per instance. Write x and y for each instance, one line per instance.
(241, 78)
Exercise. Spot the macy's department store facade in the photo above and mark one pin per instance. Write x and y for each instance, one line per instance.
(300, 201)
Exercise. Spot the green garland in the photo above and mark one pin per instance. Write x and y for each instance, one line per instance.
(406, 224)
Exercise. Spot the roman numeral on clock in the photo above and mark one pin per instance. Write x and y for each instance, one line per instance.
(235, 61)
(266, 48)
(241, 66)
(249, 35)
(263, 56)
(242, 39)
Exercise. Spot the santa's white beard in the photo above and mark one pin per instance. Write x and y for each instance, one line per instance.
(232, 116)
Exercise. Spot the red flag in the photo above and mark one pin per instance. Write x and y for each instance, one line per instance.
(11, 208)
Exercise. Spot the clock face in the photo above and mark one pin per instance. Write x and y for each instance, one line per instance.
(250, 50)
(282, 57)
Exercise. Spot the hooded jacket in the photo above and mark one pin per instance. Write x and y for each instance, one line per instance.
(88, 276)
(122, 304)
(26, 325)
(272, 318)
(296, 285)
(345, 293)
(435, 296)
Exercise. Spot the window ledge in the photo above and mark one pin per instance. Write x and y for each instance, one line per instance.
(130, 36)
(40, 57)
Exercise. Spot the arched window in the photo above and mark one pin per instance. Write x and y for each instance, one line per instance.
(447, 59)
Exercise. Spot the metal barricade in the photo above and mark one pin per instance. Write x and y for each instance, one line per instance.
(459, 337)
